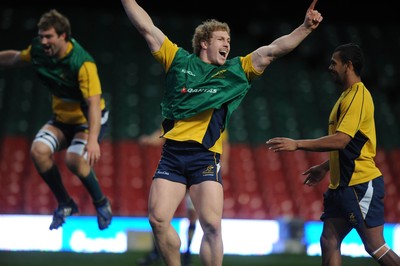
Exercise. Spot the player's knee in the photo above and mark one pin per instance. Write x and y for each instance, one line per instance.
(328, 243)
(157, 225)
(324, 242)
(75, 153)
(77, 147)
(44, 144)
(211, 229)
(380, 252)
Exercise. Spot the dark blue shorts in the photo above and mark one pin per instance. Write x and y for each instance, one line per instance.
(358, 204)
(69, 130)
(188, 163)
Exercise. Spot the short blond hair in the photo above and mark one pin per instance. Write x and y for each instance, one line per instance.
(204, 31)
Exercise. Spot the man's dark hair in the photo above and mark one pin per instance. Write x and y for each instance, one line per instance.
(56, 20)
(353, 53)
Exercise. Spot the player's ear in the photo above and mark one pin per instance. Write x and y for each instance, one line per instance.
(349, 65)
(63, 35)
(204, 44)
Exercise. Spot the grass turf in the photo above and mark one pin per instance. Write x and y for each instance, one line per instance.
(37, 258)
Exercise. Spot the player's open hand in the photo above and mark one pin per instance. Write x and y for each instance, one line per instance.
(282, 144)
(314, 175)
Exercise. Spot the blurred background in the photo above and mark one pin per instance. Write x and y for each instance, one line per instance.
(293, 98)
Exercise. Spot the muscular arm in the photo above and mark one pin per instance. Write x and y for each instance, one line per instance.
(144, 24)
(265, 55)
(337, 141)
(11, 58)
(90, 86)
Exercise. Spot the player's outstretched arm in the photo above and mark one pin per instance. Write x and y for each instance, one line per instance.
(11, 58)
(265, 55)
(144, 24)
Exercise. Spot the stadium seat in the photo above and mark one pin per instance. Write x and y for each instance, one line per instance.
(14, 155)
(131, 187)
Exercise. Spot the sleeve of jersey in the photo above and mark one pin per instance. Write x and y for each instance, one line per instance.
(248, 67)
(26, 54)
(89, 81)
(351, 113)
(166, 54)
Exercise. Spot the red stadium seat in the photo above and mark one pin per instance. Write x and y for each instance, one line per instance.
(131, 186)
(14, 154)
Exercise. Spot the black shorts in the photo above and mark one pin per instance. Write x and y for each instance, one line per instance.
(358, 204)
(188, 163)
(69, 130)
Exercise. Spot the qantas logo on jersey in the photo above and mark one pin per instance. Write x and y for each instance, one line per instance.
(191, 90)
(184, 90)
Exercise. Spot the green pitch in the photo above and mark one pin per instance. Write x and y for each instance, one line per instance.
(129, 259)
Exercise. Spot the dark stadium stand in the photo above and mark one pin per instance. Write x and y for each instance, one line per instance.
(293, 98)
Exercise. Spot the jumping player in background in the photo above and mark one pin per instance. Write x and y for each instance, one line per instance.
(79, 113)
(203, 89)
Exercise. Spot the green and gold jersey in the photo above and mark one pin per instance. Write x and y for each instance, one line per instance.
(199, 98)
(71, 80)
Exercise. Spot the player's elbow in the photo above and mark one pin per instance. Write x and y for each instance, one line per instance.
(341, 140)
